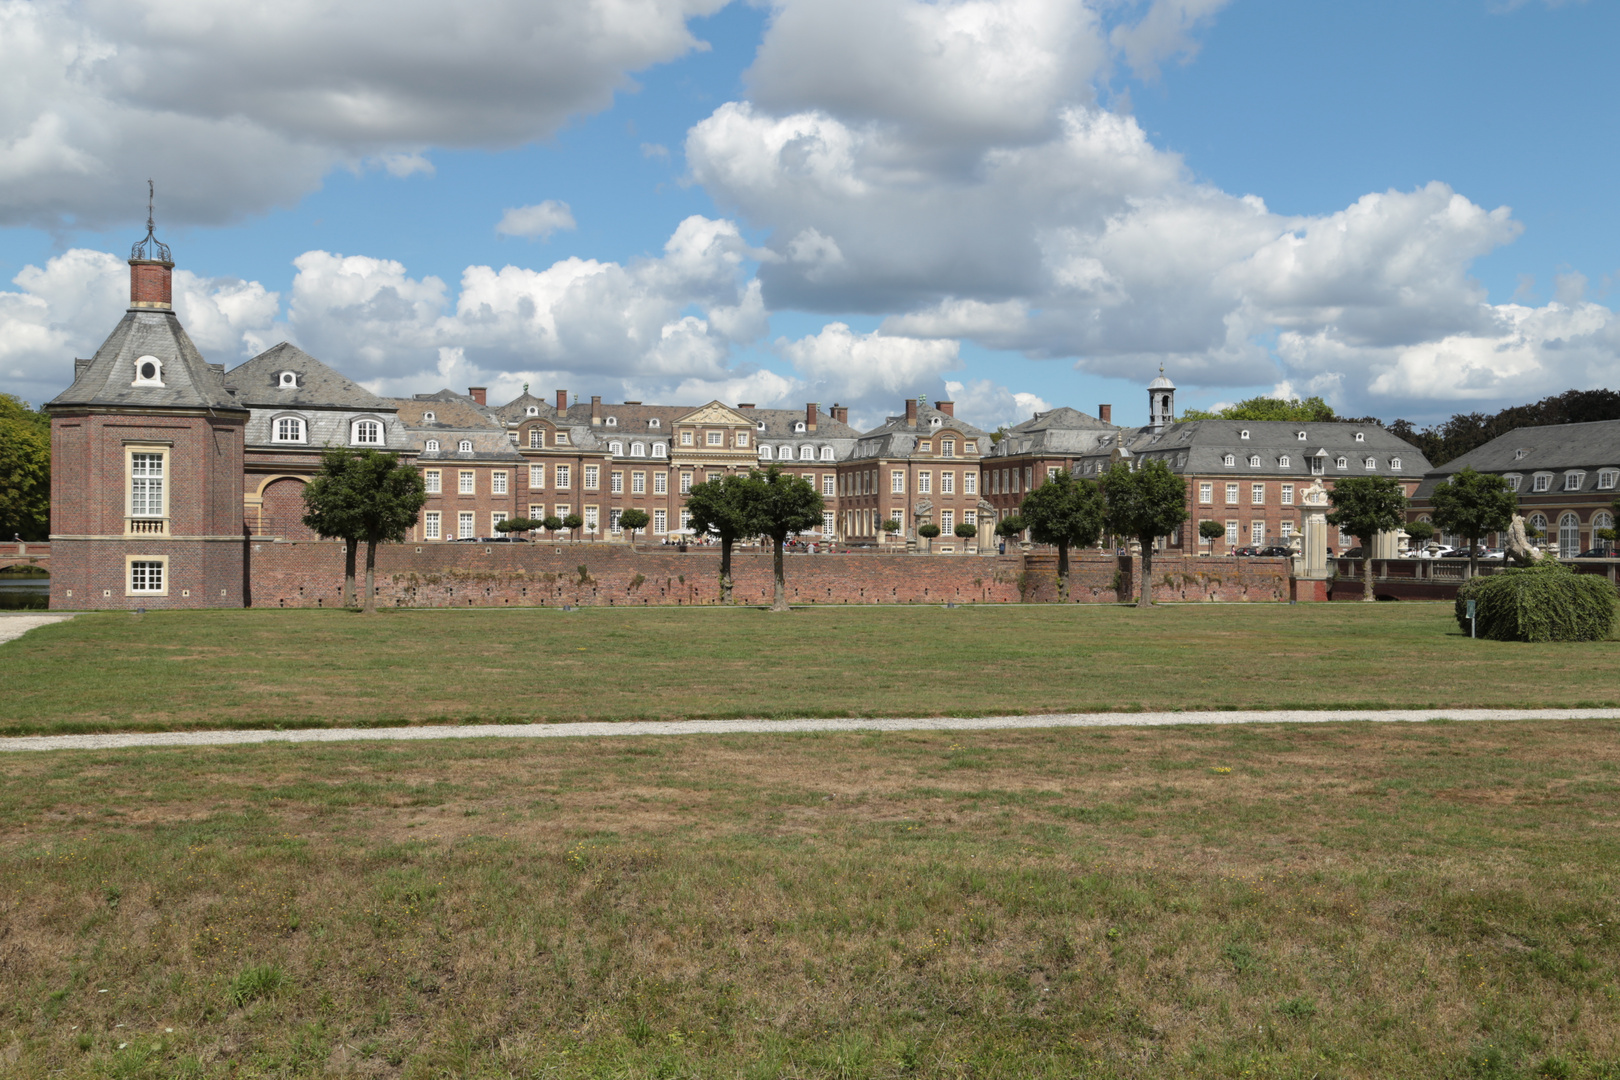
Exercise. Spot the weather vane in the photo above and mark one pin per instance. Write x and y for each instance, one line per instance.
(150, 248)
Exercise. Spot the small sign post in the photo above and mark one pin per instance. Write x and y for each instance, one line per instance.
(1473, 627)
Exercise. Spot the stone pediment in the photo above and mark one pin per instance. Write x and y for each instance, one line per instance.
(715, 413)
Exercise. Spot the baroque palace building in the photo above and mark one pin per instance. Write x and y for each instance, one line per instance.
(164, 463)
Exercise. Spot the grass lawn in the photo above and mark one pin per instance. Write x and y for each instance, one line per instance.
(110, 671)
(1327, 901)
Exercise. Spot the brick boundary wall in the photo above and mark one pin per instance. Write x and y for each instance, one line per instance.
(310, 574)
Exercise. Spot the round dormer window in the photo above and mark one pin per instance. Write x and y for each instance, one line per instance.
(427, 418)
(289, 379)
(533, 410)
(148, 371)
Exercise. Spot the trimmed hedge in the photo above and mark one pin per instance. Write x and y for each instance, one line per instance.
(1544, 602)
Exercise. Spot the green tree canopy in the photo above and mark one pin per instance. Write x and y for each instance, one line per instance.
(633, 519)
(1011, 525)
(1365, 506)
(363, 496)
(1209, 530)
(25, 471)
(724, 508)
(1146, 502)
(1063, 512)
(1473, 505)
(1312, 409)
(966, 531)
(782, 504)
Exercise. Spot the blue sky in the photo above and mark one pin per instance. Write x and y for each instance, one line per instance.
(1017, 204)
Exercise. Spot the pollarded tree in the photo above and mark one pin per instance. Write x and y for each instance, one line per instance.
(1010, 526)
(572, 522)
(1365, 506)
(782, 504)
(1419, 532)
(1147, 502)
(966, 531)
(1473, 504)
(633, 519)
(724, 507)
(552, 524)
(1063, 511)
(1210, 530)
(368, 497)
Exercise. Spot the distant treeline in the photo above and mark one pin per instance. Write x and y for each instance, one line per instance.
(1465, 431)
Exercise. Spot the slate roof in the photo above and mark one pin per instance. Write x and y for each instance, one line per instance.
(896, 438)
(1549, 448)
(1062, 431)
(779, 425)
(451, 412)
(1201, 446)
(189, 381)
(258, 382)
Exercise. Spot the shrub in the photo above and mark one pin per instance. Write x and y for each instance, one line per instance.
(1544, 602)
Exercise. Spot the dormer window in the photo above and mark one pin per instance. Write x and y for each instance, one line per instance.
(1360, 437)
(432, 446)
(561, 438)
(807, 453)
(511, 437)
(1574, 480)
(798, 428)
(1513, 481)
(1282, 462)
(289, 429)
(760, 425)
(1518, 455)
(638, 449)
(1395, 463)
(1300, 436)
(366, 433)
(615, 448)
(826, 453)
(653, 423)
(1607, 478)
(427, 417)
(1541, 482)
(288, 380)
(1244, 434)
(532, 410)
(1372, 463)
(764, 452)
(613, 421)
(660, 450)
(148, 372)
(1254, 461)
(1342, 463)
(464, 446)
(934, 421)
(1229, 460)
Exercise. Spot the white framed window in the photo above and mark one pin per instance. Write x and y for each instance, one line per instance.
(638, 483)
(742, 438)
(1029, 473)
(798, 428)
(495, 518)
(970, 483)
(613, 519)
(562, 510)
(947, 483)
(560, 438)
(1254, 461)
(287, 380)
(467, 482)
(1538, 522)
(512, 437)
(1541, 482)
(947, 522)
(1300, 436)
(660, 450)
(1607, 479)
(148, 492)
(655, 422)
(564, 474)
(1360, 437)
(660, 483)
(465, 526)
(1244, 434)
(148, 371)
(433, 481)
(1287, 498)
(947, 448)
(616, 448)
(537, 476)
(464, 446)
(829, 484)
(660, 522)
(714, 438)
(686, 520)
(289, 429)
(827, 453)
(1206, 493)
(1602, 520)
(613, 421)
(638, 449)
(1569, 536)
(592, 477)
(686, 438)
(970, 517)
(1231, 533)
(807, 453)
(897, 482)
(1395, 463)
(686, 482)
(592, 520)
(1231, 494)
(537, 438)
(1287, 528)
(532, 410)
(1052, 471)
(1282, 462)
(432, 446)
(148, 575)
(1342, 463)
(1257, 532)
(764, 452)
(366, 433)
(1229, 460)
(829, 525)
(427, 418)
(1257, 494)
(616, 482)
(497, 482)
(1371, 463)
(431, 526)
(1574, 480)
(925, 483)
(925, 447)
(1513, 481)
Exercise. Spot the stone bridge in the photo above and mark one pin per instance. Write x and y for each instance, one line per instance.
(25, 554)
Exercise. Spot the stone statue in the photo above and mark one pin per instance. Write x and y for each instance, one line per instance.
(1315, 495)
(1518, 546)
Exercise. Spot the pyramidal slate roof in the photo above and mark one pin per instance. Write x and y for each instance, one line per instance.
(109, 377)
(1057, 431)
(258, 382)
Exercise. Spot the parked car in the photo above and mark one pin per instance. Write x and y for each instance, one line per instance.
(1246, 552)
(1276, 551)
(1352, 553)
(1597, 553)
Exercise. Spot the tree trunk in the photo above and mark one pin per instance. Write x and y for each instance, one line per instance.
(725, 570)
(351, 547)
(371, 577)
(779, 602)
(1473, 556)
(1145, 599)
(1063, 573)
(1366, 571)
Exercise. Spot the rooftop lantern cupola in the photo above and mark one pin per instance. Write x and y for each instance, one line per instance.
(1161, 403)
(151, 268)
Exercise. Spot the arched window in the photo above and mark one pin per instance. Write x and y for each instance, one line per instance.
(432, 446)
(289, 429)
(653, 423)
(288, 380)
(660, 450)
(1602, 520)
(1254, 461)
(1244, 434)
(537, 438)
(1538, 523)
(1230, 460)
(1372, 463)
(366, 433)
(1343, 463)
(613, 421)
(1574, 480)
(764, 452)
(826, 453)
(1569, 536)
(638, 449)
(427, 418)
(1282, 462)
(464, 446)
(615, 448)
(807, 453)
(1395, 463)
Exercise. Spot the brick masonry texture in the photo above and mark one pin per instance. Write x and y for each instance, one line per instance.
(518, 575)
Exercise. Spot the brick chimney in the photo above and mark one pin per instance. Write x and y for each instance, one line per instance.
(478, 393)
(946, 407)
(745, 405)
(1105, 413)
(151, 285)
(562, 403)
(810, 415)
(911, 412)
(596, 410)
(840, 413)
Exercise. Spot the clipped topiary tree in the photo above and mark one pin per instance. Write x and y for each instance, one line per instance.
(572, 522)
(966, 531)
(1211, 530)
(928, 531)
(551, 523)
(1544, 602)
(633, 519)
(1419, 532)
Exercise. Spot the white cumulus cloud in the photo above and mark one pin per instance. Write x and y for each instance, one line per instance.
(536, 222)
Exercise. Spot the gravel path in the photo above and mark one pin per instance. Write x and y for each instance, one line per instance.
(731, 727)
(15, 626)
